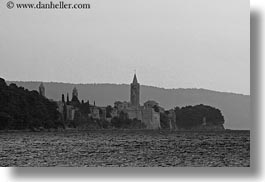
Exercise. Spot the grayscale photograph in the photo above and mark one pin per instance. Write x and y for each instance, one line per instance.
(125, 83)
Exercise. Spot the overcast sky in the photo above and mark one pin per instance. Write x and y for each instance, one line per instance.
(170, 43)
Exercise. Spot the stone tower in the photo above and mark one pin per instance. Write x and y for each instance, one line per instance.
(75, 101)
(75, 93)
(42, 90)
(135, 92)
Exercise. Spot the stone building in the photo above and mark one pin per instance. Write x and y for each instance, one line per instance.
(151, 118)
(134, 110)
(172, 119)
(94, 112)
(150, 104)
(97, 112)
(135, 93)
(42, 90)
(114, 113)
(149, 113)
(145, 113)
(75, 93)
(60, 108)
(70, 112)
(121, 105)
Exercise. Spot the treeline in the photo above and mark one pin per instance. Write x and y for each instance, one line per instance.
(189, 117)
(24, 109)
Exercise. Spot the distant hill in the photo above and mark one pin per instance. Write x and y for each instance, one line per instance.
(234, 107)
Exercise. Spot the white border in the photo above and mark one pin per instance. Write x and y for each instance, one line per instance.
(180, 174)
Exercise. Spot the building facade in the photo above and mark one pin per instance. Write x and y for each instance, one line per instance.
(42, 90)
(146, 113)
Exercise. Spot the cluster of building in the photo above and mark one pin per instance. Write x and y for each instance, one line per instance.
(148, 113)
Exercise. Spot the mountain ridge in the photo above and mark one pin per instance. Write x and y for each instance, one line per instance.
(181, 88)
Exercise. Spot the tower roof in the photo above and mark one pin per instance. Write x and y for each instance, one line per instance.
(75, 92)
(135, 79)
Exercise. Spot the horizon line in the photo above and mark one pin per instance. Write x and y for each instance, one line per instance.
(129, 84)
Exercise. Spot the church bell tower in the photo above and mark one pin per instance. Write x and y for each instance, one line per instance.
(135, 92)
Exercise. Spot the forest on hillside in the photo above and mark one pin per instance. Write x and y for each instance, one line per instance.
(24, 109)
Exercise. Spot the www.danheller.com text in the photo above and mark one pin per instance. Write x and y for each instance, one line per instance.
(48, 5)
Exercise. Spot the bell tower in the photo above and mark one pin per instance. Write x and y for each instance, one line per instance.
(75, 93)
(135, 92)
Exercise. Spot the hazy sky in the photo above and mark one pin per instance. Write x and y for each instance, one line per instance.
(170, 43)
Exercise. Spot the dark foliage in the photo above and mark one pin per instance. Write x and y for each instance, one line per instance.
(24, 109)
(108, 111)
(85, 108)
(192, 116)
(103, 124)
